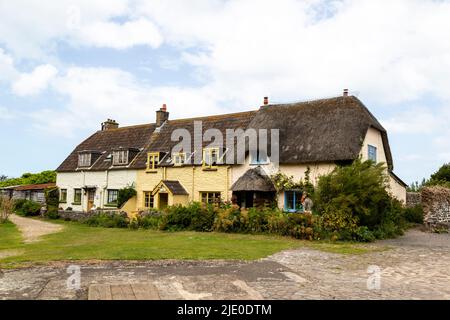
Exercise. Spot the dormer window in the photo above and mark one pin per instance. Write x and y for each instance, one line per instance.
(120, 157)
(84, 159)
(179, 159)
(210, 158)
(261, 158)
(152, 161)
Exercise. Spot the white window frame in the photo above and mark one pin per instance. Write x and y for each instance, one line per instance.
(84, 159)
(369, 153)
(120, 157)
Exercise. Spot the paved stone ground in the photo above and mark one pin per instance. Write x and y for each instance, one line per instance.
(416, 267)
(32, 229)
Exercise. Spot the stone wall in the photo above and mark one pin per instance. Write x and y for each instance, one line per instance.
(436, 207)
(413, 199)
(80, 215)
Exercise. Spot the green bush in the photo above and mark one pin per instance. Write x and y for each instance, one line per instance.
(27, 208)
(124, 195)
(18, 204)
(176, 218)
(106, 220)
(355, 196)
(231, 219)
(52, 201)
(414, 214)
(203, 217)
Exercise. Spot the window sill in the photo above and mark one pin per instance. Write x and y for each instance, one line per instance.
(63, 202)
(210, 169)
(76, 203)
(111, 205)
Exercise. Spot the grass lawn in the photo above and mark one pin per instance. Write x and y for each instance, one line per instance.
(9, 236)
(81, 242)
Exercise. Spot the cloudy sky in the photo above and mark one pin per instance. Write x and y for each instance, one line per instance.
(67, 65)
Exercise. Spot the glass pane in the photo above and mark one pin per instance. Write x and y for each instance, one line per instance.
(289, 197)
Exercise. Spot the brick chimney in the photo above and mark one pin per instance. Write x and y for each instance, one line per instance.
(162, 115)
(266, 101)
(109, 124)
(345, 92)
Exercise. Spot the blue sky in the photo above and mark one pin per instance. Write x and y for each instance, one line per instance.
(67, 66)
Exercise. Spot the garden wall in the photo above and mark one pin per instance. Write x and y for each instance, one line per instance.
(413, 199)
(436, 207)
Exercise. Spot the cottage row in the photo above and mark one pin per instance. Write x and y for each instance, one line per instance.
(314, 136)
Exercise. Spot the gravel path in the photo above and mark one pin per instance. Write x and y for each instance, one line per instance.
(415, 267)
(32, 229)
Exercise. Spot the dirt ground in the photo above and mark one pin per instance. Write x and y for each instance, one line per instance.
(33, 229)
(416, 266)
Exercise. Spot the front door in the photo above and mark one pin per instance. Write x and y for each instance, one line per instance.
(163, 200)
(90, 199)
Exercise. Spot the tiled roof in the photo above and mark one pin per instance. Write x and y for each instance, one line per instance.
(35, 187)
(104, 142)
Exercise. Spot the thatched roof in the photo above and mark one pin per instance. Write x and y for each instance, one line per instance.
(325, 130)
(254, 180)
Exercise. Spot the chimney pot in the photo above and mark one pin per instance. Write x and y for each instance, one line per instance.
(266, 101)
(345, 92)
(109, 124)
(162, 115)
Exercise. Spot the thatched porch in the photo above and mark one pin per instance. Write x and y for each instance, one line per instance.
(253, 189)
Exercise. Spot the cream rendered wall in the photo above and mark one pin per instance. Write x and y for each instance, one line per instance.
(193, 178)
(101, 180)
(397, 189)
(295, 170)
(374, 138)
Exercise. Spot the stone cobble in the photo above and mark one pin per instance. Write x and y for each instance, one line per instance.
(415, 266)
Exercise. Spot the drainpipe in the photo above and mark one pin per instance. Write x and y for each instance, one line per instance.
(193, 181)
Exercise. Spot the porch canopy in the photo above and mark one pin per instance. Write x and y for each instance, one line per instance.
(254, 180)
(174, 187)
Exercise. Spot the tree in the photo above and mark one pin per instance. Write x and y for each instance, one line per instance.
(30, 178)
(358, 190)
(3, 178)
(441, 177)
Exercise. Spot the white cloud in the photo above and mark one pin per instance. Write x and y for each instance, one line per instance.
(34, 82)
(32, 29)
(95, 94)
(121, 36)
(389, 51)
(7, 70)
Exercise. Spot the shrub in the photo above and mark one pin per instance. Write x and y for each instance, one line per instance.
(176, 218)
(106, 220)
(363, 234)
(355, 196)
(147, 220)
(414, 214)
(231, 219)
(203, 217)
(6, 208)
(18, 204)
(124, 195)
(28, 208)
(258, 219)
(339, 220)
(52, 201)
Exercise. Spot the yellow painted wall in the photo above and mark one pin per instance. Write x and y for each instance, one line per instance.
(193, 179)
